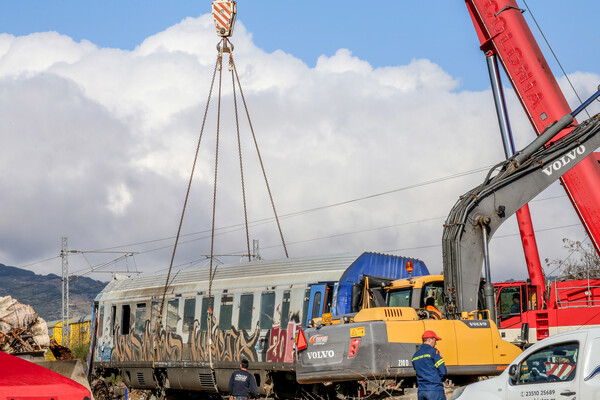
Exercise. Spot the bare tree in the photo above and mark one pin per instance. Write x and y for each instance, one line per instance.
(582, 263)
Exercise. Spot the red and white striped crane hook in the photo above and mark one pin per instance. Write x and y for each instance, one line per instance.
(224, 12)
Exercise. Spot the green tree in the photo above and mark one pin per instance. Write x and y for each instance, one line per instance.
(583, 261)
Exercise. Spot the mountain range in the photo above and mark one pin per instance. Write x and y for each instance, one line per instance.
(44, 292)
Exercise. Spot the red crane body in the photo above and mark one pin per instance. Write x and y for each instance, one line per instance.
(503, 32)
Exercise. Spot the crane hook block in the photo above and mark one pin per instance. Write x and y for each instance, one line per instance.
(224, 12)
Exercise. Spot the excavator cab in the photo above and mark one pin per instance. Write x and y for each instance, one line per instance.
(425, 294)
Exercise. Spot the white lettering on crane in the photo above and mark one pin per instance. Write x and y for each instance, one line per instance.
(320, 354)
(564, 160)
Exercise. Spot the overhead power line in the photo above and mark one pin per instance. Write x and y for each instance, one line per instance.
(236, 227)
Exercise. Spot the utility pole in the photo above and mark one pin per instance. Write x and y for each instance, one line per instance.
(64, 254)
(256, 250)
(65, 292)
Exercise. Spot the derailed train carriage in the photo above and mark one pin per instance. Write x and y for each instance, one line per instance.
(254, 311)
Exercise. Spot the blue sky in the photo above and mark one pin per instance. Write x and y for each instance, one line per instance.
(100, 123)
(388, 33)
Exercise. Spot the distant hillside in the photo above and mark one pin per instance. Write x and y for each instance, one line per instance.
(44, 292)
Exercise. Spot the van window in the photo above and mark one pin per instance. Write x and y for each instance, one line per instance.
(140, 317)
(267, 308)
(125, 319)
(555, 363)
(285, 309)
(246, 307)
(172, 315)
(189, 308)
(204, 311)
(225, 313)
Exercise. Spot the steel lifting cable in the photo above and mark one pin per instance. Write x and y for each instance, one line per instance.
(209, 313)
(260, 158)
(237, 127)
(187, 195)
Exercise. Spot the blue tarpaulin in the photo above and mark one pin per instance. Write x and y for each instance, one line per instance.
(380, 265)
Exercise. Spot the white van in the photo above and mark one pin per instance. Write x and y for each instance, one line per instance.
(563, 366)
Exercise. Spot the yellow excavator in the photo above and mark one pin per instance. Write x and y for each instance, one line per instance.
(378, 340)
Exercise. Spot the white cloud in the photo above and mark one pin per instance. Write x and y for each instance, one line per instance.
(119, 198)
(98, 146)
(38, 52)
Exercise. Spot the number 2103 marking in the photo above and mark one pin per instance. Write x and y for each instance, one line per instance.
(403, 363)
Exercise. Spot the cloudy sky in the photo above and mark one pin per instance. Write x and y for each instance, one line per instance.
(370, 124)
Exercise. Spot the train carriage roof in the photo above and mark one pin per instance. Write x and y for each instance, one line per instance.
(256, 274)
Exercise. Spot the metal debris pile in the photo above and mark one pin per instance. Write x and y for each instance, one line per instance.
(21, 329)
(60, 352)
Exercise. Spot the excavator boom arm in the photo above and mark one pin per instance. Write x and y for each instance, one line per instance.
(497, 198)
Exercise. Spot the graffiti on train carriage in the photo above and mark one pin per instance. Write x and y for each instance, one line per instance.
(229, 345)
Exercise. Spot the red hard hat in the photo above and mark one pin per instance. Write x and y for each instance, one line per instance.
(430, 334)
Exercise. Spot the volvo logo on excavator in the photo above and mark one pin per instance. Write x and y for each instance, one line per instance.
(320, 354)
(564, 160)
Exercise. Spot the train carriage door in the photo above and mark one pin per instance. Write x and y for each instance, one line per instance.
(96, 330)
(189, 312)
(321, 299)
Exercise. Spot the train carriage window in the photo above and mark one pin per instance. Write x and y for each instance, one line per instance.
(140, 317)
(125, 319)
(225, 313)
(305, 307)
(285, 309)
(206, 305)
(246, 306)
(100, 320)
(154, 311)
(267, 308)
(316, 311)
(189, 309)
(172, 315)
(113, 319)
